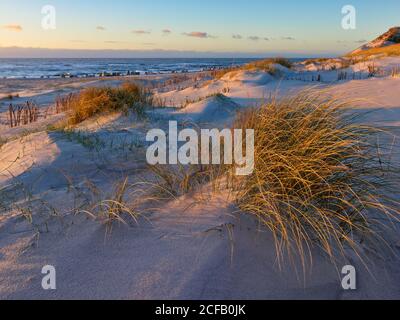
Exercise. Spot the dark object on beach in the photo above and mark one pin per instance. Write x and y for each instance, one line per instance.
(67, 75)
(11, 96)
(23, 114)
(133, 73)
(110, 74)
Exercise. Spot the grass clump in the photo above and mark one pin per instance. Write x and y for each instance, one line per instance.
(115, 207)
(395, 72)
(266, 64)
(388, 51)
(93, 101)
(218, 74)
(175, 181)
(283, 62)
(3, 141)
(319, 178)
(317, 60)
(90, 141)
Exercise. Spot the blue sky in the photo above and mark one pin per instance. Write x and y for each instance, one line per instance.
(260, 27)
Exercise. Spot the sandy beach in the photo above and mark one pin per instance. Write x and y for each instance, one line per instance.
(197, 246)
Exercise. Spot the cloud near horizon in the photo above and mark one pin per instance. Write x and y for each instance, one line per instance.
(100, 28)
(253, 38)
(198, 34)
(141, 32)
(13, 27)
(288, 38)
(166, 31)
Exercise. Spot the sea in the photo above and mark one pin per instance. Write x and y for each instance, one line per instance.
(66, 68)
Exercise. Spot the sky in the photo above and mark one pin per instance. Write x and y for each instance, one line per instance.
(172, 28)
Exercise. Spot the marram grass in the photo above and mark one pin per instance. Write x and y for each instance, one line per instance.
(320, 178)
(96, 100)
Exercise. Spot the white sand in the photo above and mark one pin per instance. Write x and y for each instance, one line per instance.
(205, 251)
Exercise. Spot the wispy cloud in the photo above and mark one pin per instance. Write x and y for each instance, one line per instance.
(198, 34)
(361, 41)
(100, 28)
(13, 27)
(139, 32)
(166, 31)
(288, 38)
(254, 38)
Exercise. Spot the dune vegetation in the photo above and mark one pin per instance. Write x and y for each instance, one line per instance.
(266, 65)
(93, 101)
(388, 51)
(318, 176)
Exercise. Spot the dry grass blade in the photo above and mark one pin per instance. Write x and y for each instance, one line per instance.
(175, 181)
(115, 208)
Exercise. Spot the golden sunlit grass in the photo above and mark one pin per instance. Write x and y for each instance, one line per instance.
(319, 178)
(174, 181)
(93, 101)
(393, 50)
(317, 60)
(218, 74)
(266, 65)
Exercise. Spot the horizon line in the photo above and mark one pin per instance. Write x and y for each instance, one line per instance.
(16, 52)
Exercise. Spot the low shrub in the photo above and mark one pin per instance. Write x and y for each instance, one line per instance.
(92, 101)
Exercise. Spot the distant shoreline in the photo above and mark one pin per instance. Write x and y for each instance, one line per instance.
(58, 68)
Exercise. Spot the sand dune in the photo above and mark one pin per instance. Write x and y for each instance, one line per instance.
(209, 251)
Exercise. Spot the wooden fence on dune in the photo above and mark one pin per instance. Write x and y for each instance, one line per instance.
(22, 114)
